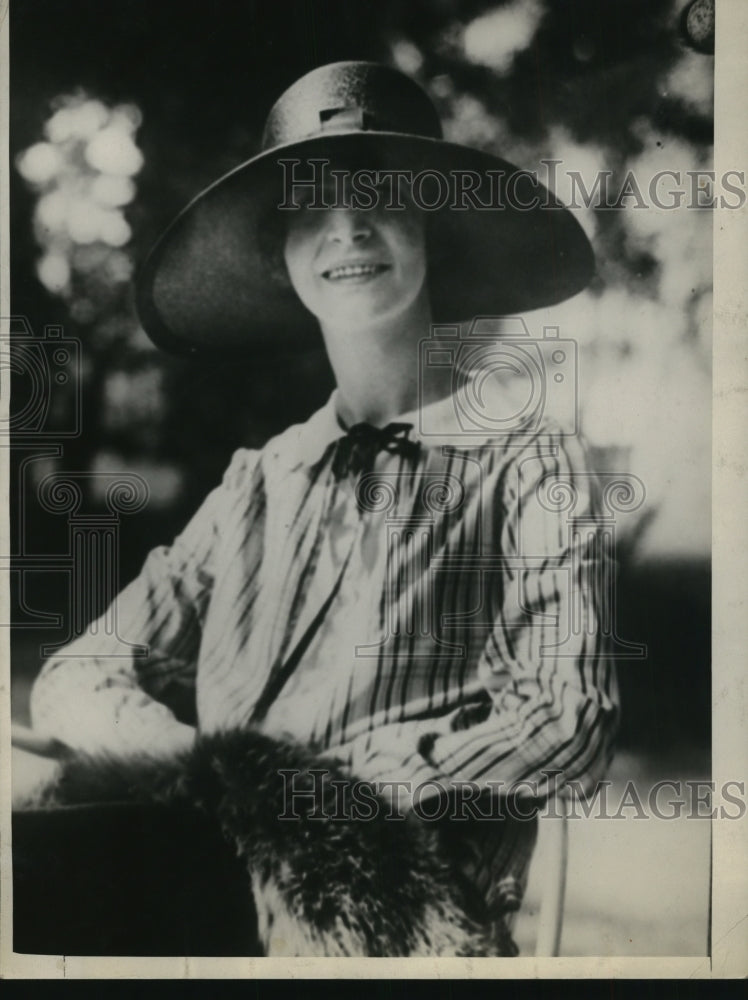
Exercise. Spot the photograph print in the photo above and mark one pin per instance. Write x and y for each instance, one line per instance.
(359, 449)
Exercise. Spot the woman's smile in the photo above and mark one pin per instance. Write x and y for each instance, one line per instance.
(354, 273)
(377, 254)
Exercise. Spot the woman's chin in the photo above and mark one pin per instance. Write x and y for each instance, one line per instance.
(368, 308)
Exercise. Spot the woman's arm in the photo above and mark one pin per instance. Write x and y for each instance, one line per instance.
(552, 687)
(96, 694)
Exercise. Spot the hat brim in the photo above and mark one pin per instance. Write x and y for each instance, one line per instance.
(207, 284)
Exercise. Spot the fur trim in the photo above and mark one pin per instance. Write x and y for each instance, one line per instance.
(322, 886)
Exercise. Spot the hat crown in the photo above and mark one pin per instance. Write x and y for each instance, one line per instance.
(350, 97)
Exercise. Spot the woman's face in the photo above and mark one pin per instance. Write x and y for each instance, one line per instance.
(352, 265)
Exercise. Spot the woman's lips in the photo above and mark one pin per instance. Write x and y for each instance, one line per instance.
(353, 273)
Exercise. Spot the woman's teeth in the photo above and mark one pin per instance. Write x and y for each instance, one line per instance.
(353, 271)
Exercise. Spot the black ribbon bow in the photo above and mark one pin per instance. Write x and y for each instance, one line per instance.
(362, 443)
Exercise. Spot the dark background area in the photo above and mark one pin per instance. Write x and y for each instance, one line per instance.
(204, 77)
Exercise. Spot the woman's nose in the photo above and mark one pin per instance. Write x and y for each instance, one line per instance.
(348, 225)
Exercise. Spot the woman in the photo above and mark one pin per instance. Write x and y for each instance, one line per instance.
(387, 584)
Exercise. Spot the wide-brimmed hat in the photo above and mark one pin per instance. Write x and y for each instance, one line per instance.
(208, 283)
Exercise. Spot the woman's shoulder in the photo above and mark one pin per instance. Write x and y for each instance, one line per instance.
(300, 443)
(241, 468)
(551, 436)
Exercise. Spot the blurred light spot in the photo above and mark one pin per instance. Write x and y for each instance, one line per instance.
(39, 163)
(134, 396)
(83, 311)
(118, 266)
(692, 80)
(471, 124)
(129, 115)
(53, 271)
(113, 229)
(494, 38)
(77, 121)
(89, 257)
(83, 221)
(678, 237)
(117, 389)
(116, 327)
(85, 173)
(88, 222)
(406, 56)
(165, 482)
(112, 190)
(52, 211)
(585, 163)
(112, 151)
(442, 86)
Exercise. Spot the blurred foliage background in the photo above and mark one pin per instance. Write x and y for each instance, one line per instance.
(120, 113)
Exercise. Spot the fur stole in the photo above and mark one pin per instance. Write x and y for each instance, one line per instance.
(322, 886)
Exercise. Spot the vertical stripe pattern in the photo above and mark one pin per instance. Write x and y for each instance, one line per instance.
(463, 641)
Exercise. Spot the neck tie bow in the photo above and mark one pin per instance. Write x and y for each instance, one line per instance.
(362, 443)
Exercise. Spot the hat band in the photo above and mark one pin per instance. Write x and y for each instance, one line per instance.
(350, 116)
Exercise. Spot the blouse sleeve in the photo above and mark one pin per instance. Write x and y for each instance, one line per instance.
(107, 688)
(551, 686)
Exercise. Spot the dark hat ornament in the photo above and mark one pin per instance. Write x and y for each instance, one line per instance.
(208, 283)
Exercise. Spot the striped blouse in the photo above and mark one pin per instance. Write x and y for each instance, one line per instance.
(436, 619)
